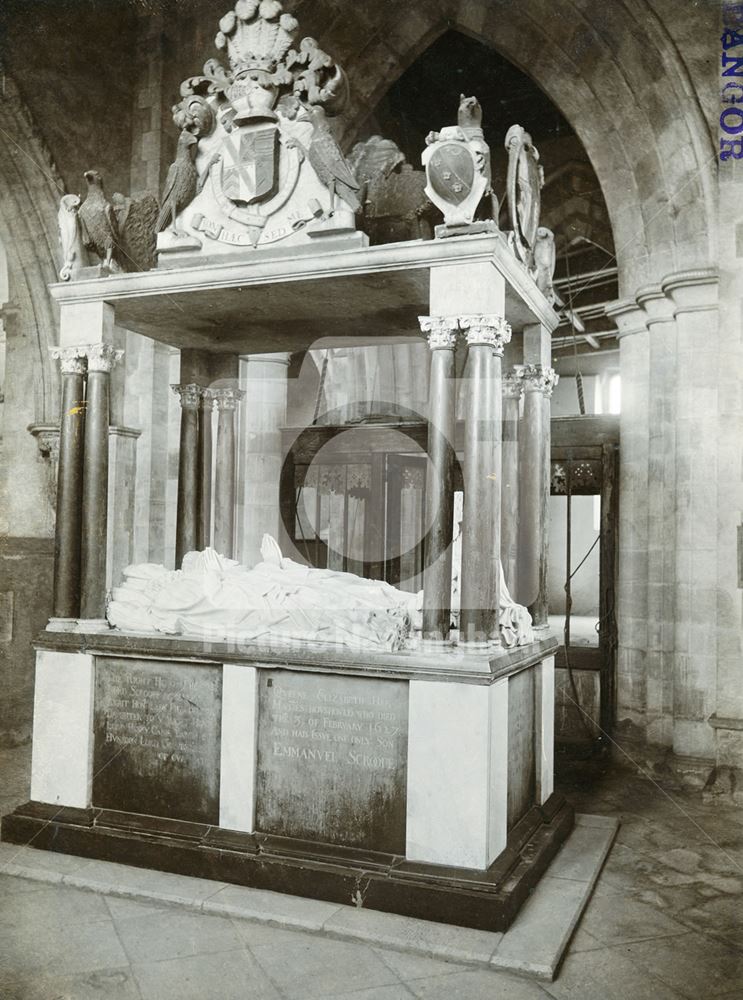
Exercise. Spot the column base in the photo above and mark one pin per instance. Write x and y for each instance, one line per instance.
(475, 647)
(92, 625)
(62, 625)
(436, 645)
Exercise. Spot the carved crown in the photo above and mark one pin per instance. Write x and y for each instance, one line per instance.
(257, 35)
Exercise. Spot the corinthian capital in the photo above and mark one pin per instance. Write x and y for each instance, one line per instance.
(488, 329)
(513, 383)
(102, 357)
(189, 395)
(537, 378)
(72, 360)
(441, 331)
(227, 398)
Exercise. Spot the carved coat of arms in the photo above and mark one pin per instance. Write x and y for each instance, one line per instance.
(267, 165)
(523, 186)
(457, 163)
(250, 164)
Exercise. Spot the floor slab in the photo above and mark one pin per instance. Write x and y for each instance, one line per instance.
(533, 945)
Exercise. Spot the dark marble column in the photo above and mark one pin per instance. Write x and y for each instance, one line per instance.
(224, 481)
(73, 365)
(442, 339)
(534, 480)
(480, 578)
(513, 390)
(203, 532)
(188, 509)
(94, 545)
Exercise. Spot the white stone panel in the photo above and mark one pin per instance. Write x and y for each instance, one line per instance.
(239, 747)
(457, 773)
(62, 759)
(546, 736)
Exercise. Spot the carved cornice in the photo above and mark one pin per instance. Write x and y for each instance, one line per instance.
(658, 308)
(227, 398)
(441, 331)
(190, 395)
(47, 440)
(72, 360)
(103, 357)
(512, 384)
(692, 291)
(678, 293)
(487, 329)
(537, 378)
(628, 317)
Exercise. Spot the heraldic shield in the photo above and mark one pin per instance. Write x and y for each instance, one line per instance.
(250, 164)
(455, 182)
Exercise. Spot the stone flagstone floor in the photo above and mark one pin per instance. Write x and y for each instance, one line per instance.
(665, 922)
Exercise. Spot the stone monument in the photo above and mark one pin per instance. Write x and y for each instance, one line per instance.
(273, 726)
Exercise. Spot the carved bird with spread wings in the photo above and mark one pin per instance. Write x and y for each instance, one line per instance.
(330, 164)
(98, 221)
(180, 184)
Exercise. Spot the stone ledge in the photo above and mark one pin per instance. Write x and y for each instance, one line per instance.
(533, 946)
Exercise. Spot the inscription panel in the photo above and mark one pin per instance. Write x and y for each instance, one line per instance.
(157, 738)
(332, 759)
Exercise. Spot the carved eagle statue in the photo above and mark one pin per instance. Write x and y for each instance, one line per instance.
(180, 184)
(330, 164)
(98, 221)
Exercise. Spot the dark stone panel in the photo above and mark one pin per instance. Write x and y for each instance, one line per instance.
(485, 900)
(26, 577)
(332, 759)
(157, 738)
(521, 743)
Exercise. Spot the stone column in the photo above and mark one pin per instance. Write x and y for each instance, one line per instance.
(486, 336)
(265, 379)
(513, 390)
(632, 554)
(442, 339)
(66, 606)
(204, 527)
(534, 478)
(101, 359)
(188, 511)
(224, 482)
